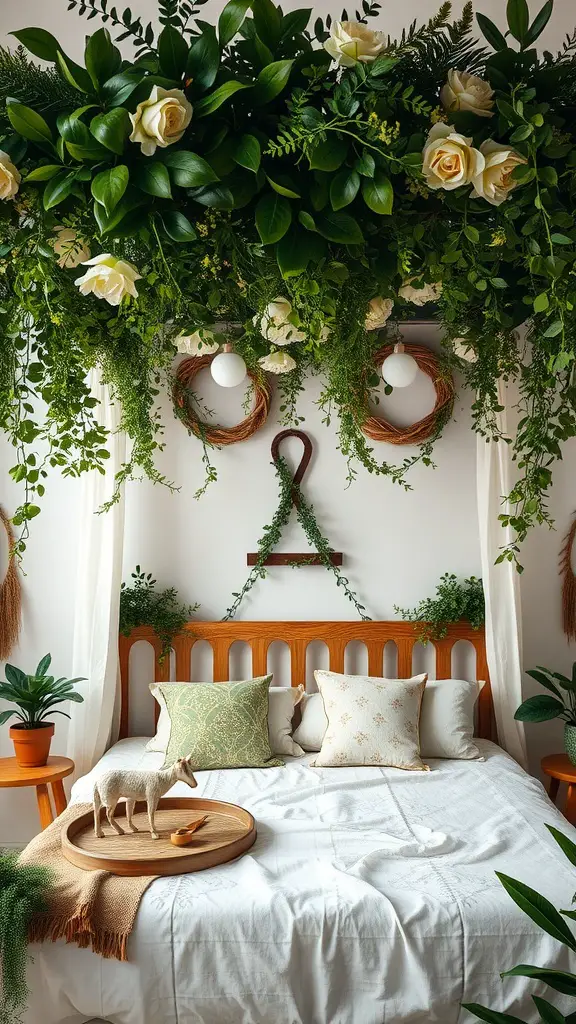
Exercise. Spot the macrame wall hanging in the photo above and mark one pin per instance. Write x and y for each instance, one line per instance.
(10, 597)
(568, 584)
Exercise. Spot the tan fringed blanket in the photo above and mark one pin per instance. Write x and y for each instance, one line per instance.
(90, 908)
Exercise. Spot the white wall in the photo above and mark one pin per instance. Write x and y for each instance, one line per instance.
(396, 543)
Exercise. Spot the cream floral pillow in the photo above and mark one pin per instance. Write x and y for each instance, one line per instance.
(371, 721)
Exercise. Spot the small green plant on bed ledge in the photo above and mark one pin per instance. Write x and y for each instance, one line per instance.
(23, 889)
(455, 601)
(547, 917)
(142, 605)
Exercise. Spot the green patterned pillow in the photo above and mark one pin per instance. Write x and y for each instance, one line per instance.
(221, 725)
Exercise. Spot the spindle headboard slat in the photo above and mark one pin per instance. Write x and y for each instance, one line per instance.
(297, 636)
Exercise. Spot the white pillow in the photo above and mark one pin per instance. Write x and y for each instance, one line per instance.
(446, 720)
(281, 703)
(371, 721)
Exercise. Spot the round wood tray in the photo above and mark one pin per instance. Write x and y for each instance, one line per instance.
(228, 832)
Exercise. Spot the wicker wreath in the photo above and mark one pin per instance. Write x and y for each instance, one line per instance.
(380, 430)
(212, 433)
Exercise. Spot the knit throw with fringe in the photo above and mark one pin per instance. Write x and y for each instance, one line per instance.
(93, 909)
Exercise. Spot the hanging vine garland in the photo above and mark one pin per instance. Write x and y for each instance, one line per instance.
(10, 597)
(291, 496)
(430, 426)
(568, 584)
(212, 433)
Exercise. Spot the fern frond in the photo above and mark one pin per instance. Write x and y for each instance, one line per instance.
(40, 88)
(142, 36)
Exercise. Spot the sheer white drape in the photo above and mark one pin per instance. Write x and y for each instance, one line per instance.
(501, 588)
(99, 575)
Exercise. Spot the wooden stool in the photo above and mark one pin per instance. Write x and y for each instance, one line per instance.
(560, 769)
(50, 774)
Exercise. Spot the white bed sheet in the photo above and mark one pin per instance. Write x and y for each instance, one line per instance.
(369, 897)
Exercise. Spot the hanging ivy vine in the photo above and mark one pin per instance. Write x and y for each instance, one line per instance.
(308, 182)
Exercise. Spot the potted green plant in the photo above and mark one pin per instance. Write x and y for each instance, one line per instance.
(35, 696)
(542, 707)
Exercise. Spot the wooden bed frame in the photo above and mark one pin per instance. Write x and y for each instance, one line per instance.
(297, 636)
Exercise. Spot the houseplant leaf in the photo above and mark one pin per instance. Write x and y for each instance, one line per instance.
(273, 217)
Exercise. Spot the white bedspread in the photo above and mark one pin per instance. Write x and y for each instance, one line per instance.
(368, 898)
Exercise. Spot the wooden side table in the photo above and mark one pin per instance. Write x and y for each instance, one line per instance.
(560, 769)
(50, 774)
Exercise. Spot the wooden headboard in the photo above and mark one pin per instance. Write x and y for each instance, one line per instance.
(297, 636)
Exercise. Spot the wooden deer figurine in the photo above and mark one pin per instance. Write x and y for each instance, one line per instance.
(135, 785)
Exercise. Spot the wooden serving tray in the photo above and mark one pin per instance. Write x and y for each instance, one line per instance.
(228, 832)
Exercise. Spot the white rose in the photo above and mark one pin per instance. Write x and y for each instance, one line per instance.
(325, 333)
(277, 362)
(379, 310)
(494, 181)
(160, 120)
(420, 296)
(449, 159)
(275, 325)
(467, 92)
(70, 248)
(350, 42)
(109, 278)
(463, 349)
(10, 177)
(201, 343)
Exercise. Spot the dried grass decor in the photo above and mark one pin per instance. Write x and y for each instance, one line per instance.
(214, 434)
(431, 425)
(10, 597)
(568, 584)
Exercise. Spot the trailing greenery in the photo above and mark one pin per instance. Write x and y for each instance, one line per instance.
(291, 496)
(36, 695)
(545, 916)
(23, 891)
(455, 601)
(142, 605)
(289, 179)
(541, 707)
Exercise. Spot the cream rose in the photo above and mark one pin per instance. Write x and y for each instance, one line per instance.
(277, 362)
(494, 181)
(275, 325)
(325, 333)
(70, 248)
(109, 278)
(379, 310)
(160, 120)
(467, 92)
(201, 343)
(449, 159)
(10, 177)
(420, 296)
(350, 42)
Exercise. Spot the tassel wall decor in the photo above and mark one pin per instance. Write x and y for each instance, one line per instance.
(10, 597)
(568, 584)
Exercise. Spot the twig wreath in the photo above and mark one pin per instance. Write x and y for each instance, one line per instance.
(213, 434)
(291, 495)
(10, 597)
(379, 429)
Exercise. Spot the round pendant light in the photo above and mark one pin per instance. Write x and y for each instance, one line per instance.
(399, 369)
(228, 369)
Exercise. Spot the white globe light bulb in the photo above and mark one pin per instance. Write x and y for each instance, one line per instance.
(399, 369)
(228, 369)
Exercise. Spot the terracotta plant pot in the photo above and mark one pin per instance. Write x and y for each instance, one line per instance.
(32, 746)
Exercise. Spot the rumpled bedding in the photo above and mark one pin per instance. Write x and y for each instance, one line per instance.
(369, 897)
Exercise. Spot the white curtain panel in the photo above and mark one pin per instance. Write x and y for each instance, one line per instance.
(96, 613)
(501, 587)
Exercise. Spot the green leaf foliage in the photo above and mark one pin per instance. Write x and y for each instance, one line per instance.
(25, 890)
(273, 217)
(208, 104)
(109, 186)
(112, 129)
(172, 52)
(39, 42)
(28, 123)
(188, 169)
(271, 81)
(231, 20)
(378, 193)
(178, 227)
(142, 604)
(539, 708)
(247, 153)
(153, 177)
(539, 909)
(102, 58)
(204, 60)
